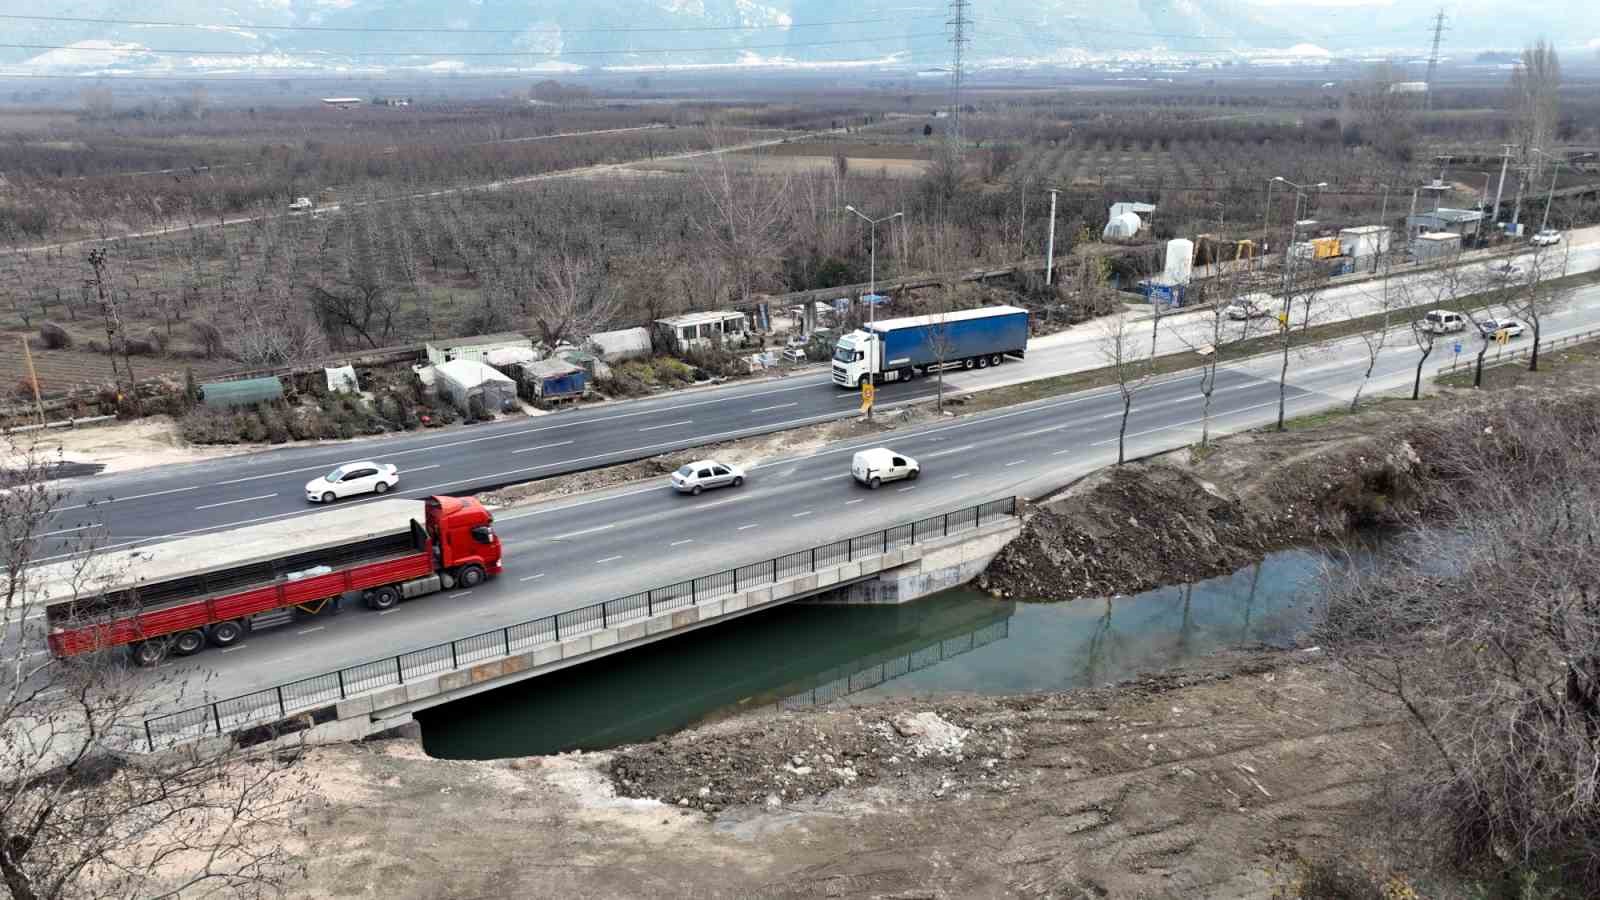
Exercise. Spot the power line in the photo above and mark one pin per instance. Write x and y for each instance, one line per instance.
(959, 39)
(443, 53)
(1433, 58)
(439, 29)
(1075, 22)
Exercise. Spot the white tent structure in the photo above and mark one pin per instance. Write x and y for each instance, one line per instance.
(1122, 226)
(463, 379)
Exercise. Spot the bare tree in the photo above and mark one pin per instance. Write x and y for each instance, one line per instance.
(84, 811)
(1375, 330)
(939, 339)
(1119, 348)
(1381, 115)
(1540, 292)
(749, 213)
(571, 300)
(1213, 333)
(354, 291)
(1535, 102)
(1483, 630)
(1303, 285)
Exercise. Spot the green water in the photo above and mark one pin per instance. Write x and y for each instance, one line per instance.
(796, 656)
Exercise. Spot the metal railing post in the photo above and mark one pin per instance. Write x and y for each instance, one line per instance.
(885, 542)
(506, 633)
(149, 736)
(603, 622)
(216, 716)
(455, 661)
(282, 710)
(650, 603)
(694, 591)
(557, 620)
(399, 671)
(946, 525)
(813, 559)
(340, 674)
(736, 581)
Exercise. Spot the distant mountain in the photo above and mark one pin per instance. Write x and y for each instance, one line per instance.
(262, 35)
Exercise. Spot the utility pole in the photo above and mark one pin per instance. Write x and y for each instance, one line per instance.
(1383, 219)
(959, 39)
(33, 378)
(1433, 58)
(1050, 252)
(1505, 160)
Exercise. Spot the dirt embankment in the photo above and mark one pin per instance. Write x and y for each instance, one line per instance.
(1186, 515)
(1204, 782)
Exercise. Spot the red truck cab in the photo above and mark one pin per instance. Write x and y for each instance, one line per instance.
(464, 542)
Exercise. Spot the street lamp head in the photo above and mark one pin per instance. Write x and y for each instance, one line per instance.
(1279, 178)
(1322, 184)
(849, 207)
(896, 215)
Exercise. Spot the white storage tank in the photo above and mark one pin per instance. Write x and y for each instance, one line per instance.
(1180, 262)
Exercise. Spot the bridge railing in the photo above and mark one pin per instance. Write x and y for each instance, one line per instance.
(273, 703)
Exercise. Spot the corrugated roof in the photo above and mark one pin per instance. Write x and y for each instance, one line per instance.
(701, 318)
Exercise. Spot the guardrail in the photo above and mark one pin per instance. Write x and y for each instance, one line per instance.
(1501, 357)
(271, 704)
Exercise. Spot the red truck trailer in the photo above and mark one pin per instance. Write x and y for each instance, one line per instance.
(178, 596)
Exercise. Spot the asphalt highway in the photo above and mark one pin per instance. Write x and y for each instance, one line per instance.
(120, 510)
(567, 553)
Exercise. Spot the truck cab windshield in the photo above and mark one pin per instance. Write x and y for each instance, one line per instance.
(846, 354)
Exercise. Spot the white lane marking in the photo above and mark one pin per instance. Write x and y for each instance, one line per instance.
(192, 487)
(234, 647)
(531, 577)
(457, 594)
(1041, 431)
(418, 469)
(904, 489)
(800, 514)
(947, 452)
(240, 500)
(1015, 462)
(962, 475)
(64, 531)
(541, 447)
(594, 530)
(857, 500)
(311, 629)
(1068, 450)
(779, 406)
(1231, 412)
(668, 425)
(681, 543)
(751, 525)
(607, 559)
(385, 612)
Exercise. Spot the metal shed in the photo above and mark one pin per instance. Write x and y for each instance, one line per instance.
(621, 345)
(243, 392)
(1436, 245)
(475, 349)
(463, 379)
(554, 379)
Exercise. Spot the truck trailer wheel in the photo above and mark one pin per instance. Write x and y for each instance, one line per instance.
(967, 364)
(382, 598)
(188, 643)
(997, 360)
(470, 576)
(226, 634)
(149, 653)
(983, 362)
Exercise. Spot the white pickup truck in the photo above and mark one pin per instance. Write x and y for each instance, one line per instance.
(300, 203)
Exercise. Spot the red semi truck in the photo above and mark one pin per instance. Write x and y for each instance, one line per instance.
(176, 597)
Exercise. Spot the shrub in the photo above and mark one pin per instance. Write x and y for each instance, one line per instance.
(54, 336)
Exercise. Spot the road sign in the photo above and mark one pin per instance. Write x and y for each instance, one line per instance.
(1283, 319)
(867, 392)
(1458, 348)
(1502, 337)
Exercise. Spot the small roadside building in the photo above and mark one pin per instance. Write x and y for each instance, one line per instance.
(1364, 241)
(476, 349)
(462, 379)
(1436, 245)
(693, 331)
(1462, 222)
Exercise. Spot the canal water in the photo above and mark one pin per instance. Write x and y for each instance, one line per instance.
(798, 656)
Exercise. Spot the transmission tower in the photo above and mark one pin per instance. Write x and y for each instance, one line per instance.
(1433, 58)
(959, 22)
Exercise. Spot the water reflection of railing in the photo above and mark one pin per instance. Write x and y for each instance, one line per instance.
(853, 680)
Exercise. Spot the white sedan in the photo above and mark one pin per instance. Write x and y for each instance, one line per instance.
(352, 478)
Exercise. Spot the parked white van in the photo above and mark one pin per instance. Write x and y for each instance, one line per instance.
(1443, 321)
(874, 467)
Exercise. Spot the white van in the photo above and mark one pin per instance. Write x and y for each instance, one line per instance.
(1443, 321)
(880, 464)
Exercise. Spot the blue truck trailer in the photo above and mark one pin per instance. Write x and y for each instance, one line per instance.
(899, 349)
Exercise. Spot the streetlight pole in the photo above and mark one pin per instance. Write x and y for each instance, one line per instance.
(1294, 225)
(1383, 220)
(1050, 251)
(1266, 219)
(872, 284)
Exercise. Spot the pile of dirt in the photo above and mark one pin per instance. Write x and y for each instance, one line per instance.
(1185, 516)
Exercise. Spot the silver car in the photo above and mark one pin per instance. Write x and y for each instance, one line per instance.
(706, 474)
